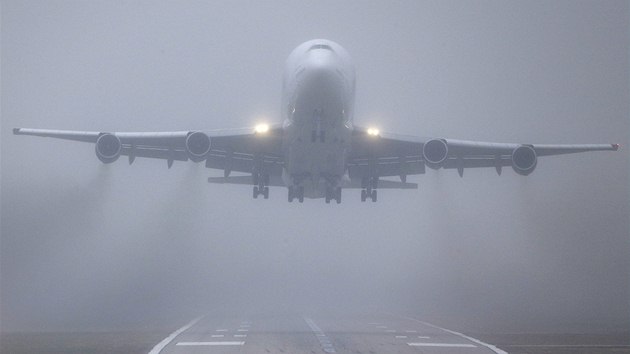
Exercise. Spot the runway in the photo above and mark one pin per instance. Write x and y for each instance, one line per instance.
(312, 333)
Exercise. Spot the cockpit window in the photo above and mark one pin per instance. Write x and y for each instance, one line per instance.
(320, 46)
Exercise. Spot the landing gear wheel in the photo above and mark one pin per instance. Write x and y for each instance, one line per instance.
(266, 192)
(291, 194)
(374, 195)
(256, 192)
(363, 195)
(301, 194)
(338, 195)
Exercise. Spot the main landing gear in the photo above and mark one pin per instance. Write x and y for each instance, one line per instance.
(296, 192)
(369, 185)
(261, 185)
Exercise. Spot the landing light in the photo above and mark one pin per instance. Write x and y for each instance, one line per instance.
(373, 131)
(261, 128)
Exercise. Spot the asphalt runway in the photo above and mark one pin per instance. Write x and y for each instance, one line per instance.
(311, 333)
(318, 334)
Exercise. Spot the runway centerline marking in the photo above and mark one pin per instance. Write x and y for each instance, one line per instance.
(221, 330)
(401, 336)
(217, 336)
(242, 330)
(411, 331)
(166, 341)
(446, 345)
(424, 337)
(324, 342)
(191, 344)
(474, 340)
(240, 335)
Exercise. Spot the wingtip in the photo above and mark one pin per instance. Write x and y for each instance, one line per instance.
(615, 146)
(16, 131)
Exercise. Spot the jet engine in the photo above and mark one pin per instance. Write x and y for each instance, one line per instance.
(524, 160)
(435, 152)
(197, 146)
(108, 148)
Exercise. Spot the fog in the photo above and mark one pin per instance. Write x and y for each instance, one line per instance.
(92, 246)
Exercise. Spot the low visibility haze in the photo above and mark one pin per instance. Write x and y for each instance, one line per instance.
(92, 246)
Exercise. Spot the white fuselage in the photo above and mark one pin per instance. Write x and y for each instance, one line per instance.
(317, 106)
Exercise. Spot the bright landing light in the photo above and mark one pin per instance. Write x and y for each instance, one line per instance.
(373, 131)
(262, 128)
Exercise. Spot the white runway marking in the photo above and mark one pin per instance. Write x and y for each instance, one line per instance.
(242, 330)
(441, 345)
(489, 346)
(158, 348)
(401, 336)
(221, 330)
(190, 344)
(381, 327)
(240, 335)
(424, 337)
(324, 342)
(217, 336)
(411, 331)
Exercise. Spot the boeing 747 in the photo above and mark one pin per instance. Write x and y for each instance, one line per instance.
(317, 150)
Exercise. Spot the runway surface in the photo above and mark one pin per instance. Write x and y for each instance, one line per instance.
(312, 333)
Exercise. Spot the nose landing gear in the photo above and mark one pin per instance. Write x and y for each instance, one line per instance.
(333, 193)
(369, 185)
(261, 185)
(296, 192)
(261, 190)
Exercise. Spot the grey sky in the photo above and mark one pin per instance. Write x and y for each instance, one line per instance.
(90, 246)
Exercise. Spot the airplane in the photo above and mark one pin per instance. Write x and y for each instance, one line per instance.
(317, 150)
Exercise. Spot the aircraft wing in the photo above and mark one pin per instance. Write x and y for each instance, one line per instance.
(376, 154)
(242, 150)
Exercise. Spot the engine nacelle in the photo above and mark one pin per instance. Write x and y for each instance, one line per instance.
(197, 146)
(108, 148)
(524, 160)
(435, 153)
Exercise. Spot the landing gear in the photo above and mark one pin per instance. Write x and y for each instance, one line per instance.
(296, 192)
(261, 190)
(261, 185)
(369, 185)
(333, 193)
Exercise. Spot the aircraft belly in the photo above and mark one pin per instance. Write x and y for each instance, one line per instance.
(314, 164)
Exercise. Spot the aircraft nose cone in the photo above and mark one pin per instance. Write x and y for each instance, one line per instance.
(321, 67)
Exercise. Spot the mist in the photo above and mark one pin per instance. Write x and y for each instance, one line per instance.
(92, 246)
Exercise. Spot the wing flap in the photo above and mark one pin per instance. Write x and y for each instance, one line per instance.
(154, 153)
(274, 181)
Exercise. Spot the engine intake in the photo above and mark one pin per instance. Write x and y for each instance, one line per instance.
(435, 152)
(197, 146)
(524, 160)
(108, 148)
